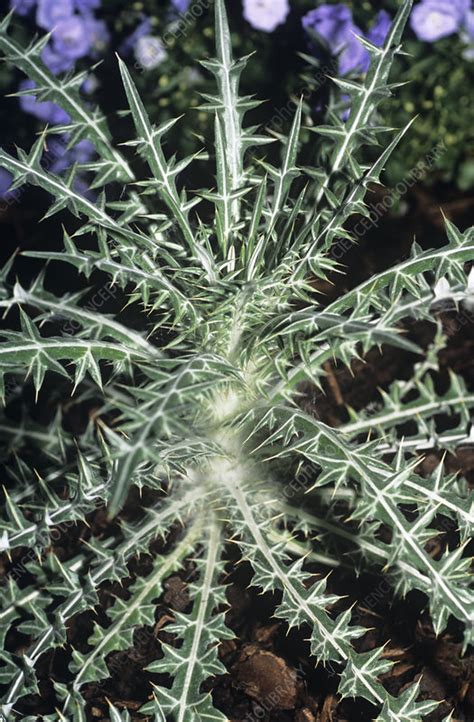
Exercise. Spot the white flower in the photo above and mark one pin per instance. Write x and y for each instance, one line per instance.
(470, 281)
(4, 543)
(149, 52)
(442, 288)
(266, 14)
(469, 301)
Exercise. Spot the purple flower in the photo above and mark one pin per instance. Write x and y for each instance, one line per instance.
(180, 5)
(467, 36)
(346, 106)
(55, 158)
(54, 61)
(469, 24)
(468, 29)
(329, 20)
(98, 33)
(86, 6)
(149, 52)
(60, 159)
(334, 25)
(72, 37)
(90, 84)
(380, 29)
(82, 188)
(83, 151)
(435, 19)
(6, 179)
(50, 12)
(266, 15)
(22, 7)
(140, 31)
(46, 111)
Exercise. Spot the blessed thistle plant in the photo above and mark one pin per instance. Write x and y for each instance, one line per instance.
(209, 417)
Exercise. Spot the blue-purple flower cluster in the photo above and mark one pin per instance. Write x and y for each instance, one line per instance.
(75, 32)
(333, 26)
(56, 158)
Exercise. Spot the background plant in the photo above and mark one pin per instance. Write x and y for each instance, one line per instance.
(161, 46)
(193, 399)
